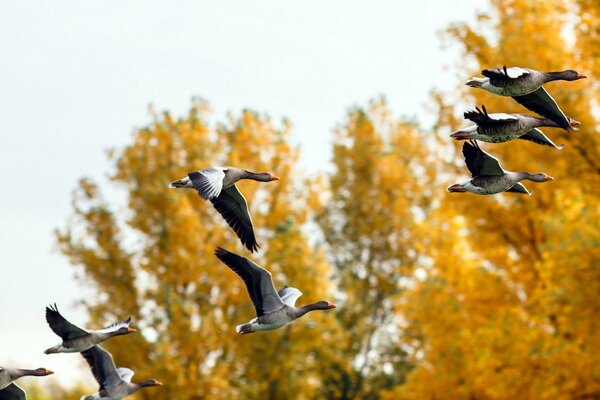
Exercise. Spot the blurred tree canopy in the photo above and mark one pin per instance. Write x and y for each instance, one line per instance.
(441, 296)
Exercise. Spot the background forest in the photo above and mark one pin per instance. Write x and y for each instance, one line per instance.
(440, 296)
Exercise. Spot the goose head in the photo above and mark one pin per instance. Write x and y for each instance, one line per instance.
(539, 177)
(571, 75)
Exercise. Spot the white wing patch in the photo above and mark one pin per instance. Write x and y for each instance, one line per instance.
(116, 326)
(289, 295)
(515, 72)
(209, 182)
(125, 373)
(502, 117)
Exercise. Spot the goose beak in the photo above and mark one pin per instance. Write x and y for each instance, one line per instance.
(48, 372)
(158, 383)
(274, 178)
(131, 330)
(474, 84)
(456, 188)
(331, 305)
(573, 122)
(581, 76)
(548, 178)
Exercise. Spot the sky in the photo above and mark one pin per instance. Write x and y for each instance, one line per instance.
(76, 79)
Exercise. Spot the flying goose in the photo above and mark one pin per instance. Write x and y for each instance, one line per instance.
(217, 184)
(75, 339)
(525, 86)
(500, 127)
(10, 390)
(273, 309)
(489, 177)
(115, 383)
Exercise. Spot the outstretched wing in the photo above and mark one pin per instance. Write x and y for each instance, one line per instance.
(519, 188)
(481, 117)
(537, 136)
(257, 279)
(500, 77)
(232, 205)
(102, 365)
(541, 102)
(289, 295)
(208, 182)
(61, 326)
(12, 392)
(116, 326)
(479, 162)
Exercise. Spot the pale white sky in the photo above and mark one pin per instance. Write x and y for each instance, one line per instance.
(76, 78)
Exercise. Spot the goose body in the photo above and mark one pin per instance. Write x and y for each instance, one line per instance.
(217, 184)
(76, 339)
(11, 391)
(500, 127)
(115, 383)
(273, 309)
(489, 178)
(526, 87)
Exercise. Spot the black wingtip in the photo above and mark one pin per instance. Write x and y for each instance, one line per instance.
(221, 252)
(253, 247)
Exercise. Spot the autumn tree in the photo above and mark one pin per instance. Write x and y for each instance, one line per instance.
(377, 197)
(509, 306)
(153, 259)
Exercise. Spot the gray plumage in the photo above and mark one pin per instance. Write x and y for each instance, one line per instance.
(488, 177)
(498, 128)
(217, 184)
(273, 309)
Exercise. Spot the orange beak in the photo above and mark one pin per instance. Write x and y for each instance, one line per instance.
(274, 178)
(581, 76)
(48, 372)
(331, 305)
(548, 178)
(131, 330)
(158, 383)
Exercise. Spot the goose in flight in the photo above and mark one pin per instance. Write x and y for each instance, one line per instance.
(526, 87)
(273, 309)
(115, 383)
(217, 184)
(488, 177)
(500, 127)
(75, 339)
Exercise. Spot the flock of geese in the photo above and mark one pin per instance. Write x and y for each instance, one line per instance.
(526, 87)
(275, 309)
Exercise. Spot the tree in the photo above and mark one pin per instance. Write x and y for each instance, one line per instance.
(155, 261)
(514, 312)
(378, 195)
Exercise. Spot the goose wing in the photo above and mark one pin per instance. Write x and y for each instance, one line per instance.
(232, 205)
(481, 117)
(479, 162)
(289, 295)
(541, 102)
(12, 392)
(502, 76)
(208, 182)
(61, 326)
(116, 326)
(258, 280)
(519, 188)
(102, 365)
(537, 136)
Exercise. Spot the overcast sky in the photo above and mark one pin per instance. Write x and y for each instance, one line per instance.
(76, 78)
